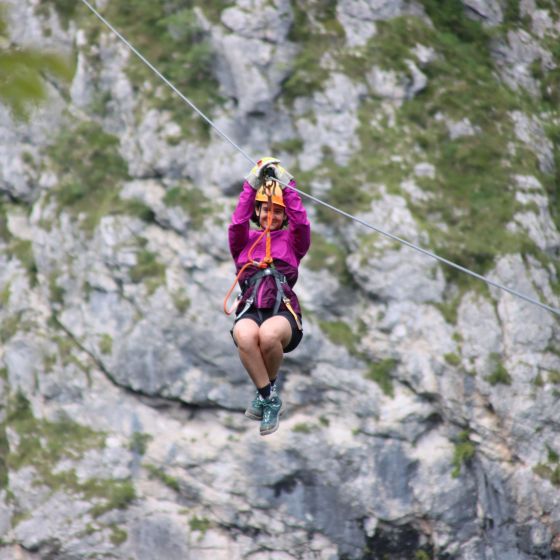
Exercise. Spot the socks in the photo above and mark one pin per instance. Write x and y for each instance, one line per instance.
(267, 390)
(264, 392)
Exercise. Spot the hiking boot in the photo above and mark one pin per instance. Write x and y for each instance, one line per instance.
(255, 409)
(271, 408)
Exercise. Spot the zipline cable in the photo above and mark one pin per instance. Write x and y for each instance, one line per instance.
(311, 197)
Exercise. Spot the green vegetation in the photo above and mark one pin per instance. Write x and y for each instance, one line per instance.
(463, 453)
(5, 294)
(339, 333)
(42, 444)
(148, 270)
(380, 372)
(4, 452)
(23, 251)
(347, 191)
(56, 292)
(5, 234)
(324, 255)
(23, 73)
(66, 9)
(499, 373)
(552, 455)
(538, 381)
(471, 197)
(118, 535)
(106, 344)
(139, 442)
(292, 146)
(167, 33)
(551, 469)
(91, 172)
(452, 359)
(65, 345)
(315, 30)
(200, 524)
(193, 201)
(118, 494)
(10, 325)
(470, 191)
(181, 300)
(303, 428)
(161, 475)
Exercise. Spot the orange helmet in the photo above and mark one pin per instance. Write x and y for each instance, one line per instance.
(274, 189)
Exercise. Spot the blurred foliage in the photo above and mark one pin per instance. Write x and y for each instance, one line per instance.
(193, 201)
(316, 31)
(23, 72)
(91, 172)
(463, 453)
(470, 199)
(168, 34)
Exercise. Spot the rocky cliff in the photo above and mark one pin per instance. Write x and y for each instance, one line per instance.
(422, 419)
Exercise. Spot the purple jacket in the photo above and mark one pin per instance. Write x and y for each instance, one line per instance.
(288, 246)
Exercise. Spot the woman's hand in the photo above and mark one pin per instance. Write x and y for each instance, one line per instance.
(268, 167)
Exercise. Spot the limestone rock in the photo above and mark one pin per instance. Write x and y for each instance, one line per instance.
(529, 130)
(539, 225)
(421, 416)
(514, 58)
(358, 18)
(489, 11)
(335, 123)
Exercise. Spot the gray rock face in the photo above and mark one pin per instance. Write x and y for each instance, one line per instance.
(421, 415)
(357, 17)
(489, 11)
(539, 226)
(514, 58)
(530, 132)
(334, 124)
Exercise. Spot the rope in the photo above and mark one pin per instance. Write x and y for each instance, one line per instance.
(263, 263)
(314, 199)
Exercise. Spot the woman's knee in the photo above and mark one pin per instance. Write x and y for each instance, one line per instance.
(274, 335)
(269, 341)
(246, 336)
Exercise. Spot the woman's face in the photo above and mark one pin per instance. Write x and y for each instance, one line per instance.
(278, 216)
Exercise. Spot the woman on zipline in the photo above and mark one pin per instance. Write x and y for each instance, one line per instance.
(268, 315)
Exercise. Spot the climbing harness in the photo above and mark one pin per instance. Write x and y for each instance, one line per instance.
(314, 199)
(255, 282)
(268, 194)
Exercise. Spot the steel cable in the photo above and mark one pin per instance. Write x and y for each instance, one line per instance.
(311, 197)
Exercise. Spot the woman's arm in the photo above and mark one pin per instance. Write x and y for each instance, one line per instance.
(238, 230)
(298, 223)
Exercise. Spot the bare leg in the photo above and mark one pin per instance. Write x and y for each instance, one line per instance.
(246, 334)
(274, 335)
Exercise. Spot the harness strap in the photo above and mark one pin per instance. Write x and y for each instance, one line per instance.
(288, 304)
(281, 297)
(248, 303)
(263, 264)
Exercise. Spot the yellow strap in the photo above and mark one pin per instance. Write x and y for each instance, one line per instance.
(291, 310)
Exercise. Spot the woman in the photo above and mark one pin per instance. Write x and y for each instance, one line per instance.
(268, 316)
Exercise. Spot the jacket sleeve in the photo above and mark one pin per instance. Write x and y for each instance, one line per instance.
(238, 230)
(298, 224)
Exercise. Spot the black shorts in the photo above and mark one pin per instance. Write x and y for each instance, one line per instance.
(267, 314)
